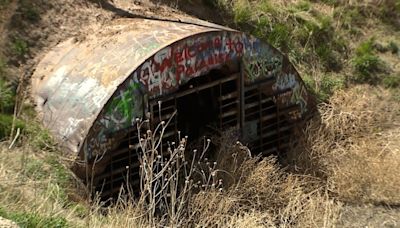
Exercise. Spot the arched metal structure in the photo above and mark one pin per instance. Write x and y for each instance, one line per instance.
(89, 92)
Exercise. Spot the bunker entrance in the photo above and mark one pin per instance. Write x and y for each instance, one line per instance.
(205, 106)
(90, 106)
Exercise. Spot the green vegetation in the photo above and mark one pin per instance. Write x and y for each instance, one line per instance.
(29, 10)
(6, 123)
(39, 138)
(4, 3)
(317, 39)
(19, 46)
(394, 48)
(6, 97)
(366, 63)
(3, 68)
(298, 30)
(33, 220)
(326, 85)
(392, 81)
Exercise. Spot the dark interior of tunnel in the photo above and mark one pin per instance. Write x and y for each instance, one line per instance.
(205, 106)
(197, 112)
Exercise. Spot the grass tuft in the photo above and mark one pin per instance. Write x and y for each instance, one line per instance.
(367, 64)
(392, 81)
(7, 97)
(32, 220)
(19, 46)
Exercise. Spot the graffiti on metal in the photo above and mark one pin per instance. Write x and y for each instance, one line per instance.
(74, 81)
(174, 65)
(88, 90)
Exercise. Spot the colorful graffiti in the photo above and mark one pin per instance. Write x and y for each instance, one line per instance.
(124, 108)
(266, 65)
(176, 64)
(292, 92)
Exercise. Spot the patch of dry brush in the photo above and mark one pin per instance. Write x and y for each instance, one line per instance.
(350, 153)
(355, 145)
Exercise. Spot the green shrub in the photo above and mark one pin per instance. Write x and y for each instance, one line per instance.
(329, 84)
(366, 63)
(392, 81)
(330, 2)
(349, 17)
(34, 169)
(3, 67)
(39, 137)
(329, 57)
(389, 12)
(61, 174)
(324, 88)
(29, 11)
(6, 97)
(6, 124)
(300, 6)
(279, 37)
(19, 46)
(242, 12)
(394, 48)
(366, 67)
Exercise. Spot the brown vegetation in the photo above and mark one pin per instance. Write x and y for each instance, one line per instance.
(348, 155)
(354, 146)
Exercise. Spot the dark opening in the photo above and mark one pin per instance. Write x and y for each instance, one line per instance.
(206, 106)
(198, 111)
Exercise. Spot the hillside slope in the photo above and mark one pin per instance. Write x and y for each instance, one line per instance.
(344, 173)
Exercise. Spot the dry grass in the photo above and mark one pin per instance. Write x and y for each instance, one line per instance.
(354, 146)
(266, 196)
(351, 154)
(261, 195)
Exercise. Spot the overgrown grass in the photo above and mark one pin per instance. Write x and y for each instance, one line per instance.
(6, 121)
(392, 81)
(297, 29)
(261, 194)
(4, 3)
(353, 147)
(320, 37)
(31, 220)
(3, 68)
(349, 156)
(367, 64)
(19, 46)
(7, 97)
(323, 87)
(29, 10)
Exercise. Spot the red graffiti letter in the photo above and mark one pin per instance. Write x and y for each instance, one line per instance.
(178, 57)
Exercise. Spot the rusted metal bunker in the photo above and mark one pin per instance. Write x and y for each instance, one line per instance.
(89, 92)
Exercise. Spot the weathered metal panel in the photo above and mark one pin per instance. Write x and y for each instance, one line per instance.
(88, 90)
(193, 56)
(74, 81)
